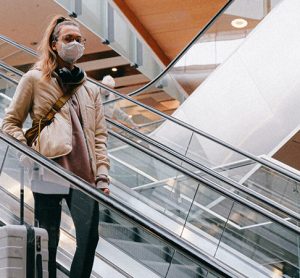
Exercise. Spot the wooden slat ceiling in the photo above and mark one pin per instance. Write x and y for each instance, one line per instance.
(169, 25)
(25, 22)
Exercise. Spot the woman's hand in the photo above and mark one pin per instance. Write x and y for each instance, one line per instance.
(105, 191)
(102, 184)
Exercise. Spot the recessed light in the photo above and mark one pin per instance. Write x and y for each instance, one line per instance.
(114, 69)
(239, 23)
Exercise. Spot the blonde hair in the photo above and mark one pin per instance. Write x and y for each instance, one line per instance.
(48, 57)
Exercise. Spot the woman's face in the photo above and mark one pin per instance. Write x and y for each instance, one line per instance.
(69, 43)
(67, 34)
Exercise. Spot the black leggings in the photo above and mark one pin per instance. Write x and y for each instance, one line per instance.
(85, 214)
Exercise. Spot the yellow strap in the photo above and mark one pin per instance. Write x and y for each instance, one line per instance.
(39, 137)
(58, 105)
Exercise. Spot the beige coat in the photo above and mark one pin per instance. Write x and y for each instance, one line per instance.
(36, 98)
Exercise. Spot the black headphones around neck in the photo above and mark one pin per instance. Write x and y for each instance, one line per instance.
(70, 76)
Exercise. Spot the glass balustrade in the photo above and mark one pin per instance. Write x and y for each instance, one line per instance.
(125, 247)
(243, 238)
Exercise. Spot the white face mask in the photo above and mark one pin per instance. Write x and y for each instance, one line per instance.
(71, 51)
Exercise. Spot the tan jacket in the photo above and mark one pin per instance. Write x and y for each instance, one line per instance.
(36, 97)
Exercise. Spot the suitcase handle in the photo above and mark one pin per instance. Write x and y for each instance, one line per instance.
(39, 266)
(34, 266)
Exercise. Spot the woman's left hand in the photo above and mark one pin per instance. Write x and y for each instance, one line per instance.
(105, 191)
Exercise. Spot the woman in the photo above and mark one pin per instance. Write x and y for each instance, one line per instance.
(76, 138)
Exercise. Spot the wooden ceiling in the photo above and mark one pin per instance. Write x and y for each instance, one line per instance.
(25, 22)
(169, 25)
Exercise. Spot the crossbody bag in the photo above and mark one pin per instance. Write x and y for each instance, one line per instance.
(34, 132)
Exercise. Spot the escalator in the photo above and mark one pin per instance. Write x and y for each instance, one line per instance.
(203, 214)
(239, 168)
(173, 194)
(129, 246)
(242, 171)
(274, 182)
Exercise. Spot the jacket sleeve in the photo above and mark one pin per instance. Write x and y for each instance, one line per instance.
(19, 108)
(102, 160)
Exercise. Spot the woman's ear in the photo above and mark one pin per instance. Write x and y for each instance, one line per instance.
(53, 45)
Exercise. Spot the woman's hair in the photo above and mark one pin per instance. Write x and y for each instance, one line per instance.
(48, 57)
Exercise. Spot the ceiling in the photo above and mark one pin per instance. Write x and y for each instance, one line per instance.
(19, 24)
(168, 26)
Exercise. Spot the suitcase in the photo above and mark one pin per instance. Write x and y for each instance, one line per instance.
(23, 252)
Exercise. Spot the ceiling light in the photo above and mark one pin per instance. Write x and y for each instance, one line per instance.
(239, 23)
(114, 69)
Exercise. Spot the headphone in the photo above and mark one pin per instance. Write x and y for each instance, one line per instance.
(70, 76)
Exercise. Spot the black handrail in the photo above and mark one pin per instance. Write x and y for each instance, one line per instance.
(201, 167)
(183, 52)
(208, 171)
(266, 163)
(61, 268)
(128, 212)
(10, 79)
(209, 183)
(12, 69)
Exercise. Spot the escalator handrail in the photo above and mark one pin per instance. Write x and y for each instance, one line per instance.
(259, 160)
(207, 170)
(199, 166)
(123, 209)
(183, 52)
(209, 183)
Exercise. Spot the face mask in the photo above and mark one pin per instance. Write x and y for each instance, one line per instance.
(71, 51)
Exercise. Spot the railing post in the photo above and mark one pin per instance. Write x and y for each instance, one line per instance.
(78, 7)
(110, 23)
(21, 195)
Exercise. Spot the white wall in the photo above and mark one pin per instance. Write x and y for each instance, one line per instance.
(252, 100)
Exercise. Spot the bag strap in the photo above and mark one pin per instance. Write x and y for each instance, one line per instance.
(58, 105)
